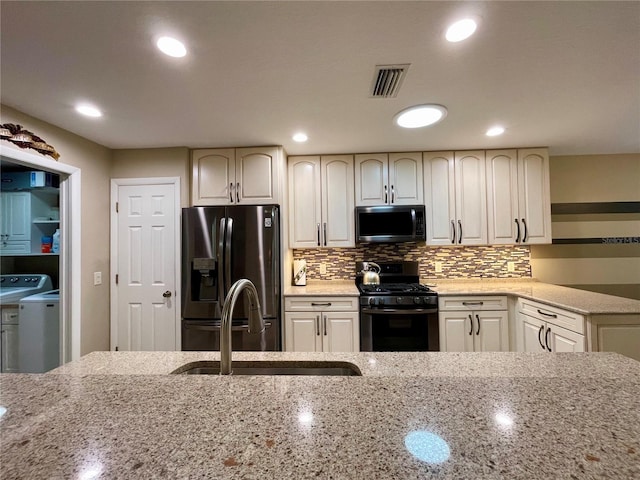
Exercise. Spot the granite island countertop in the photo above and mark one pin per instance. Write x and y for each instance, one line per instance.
(487, 415)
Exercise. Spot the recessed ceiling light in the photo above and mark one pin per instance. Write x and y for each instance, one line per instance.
(495, 131)
(300, 137)
(461, 30)
(171, 46)
(88, 110)
(420, 116)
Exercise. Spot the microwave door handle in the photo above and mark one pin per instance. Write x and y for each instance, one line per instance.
(227, 252)
(413, 222)
(220, 257)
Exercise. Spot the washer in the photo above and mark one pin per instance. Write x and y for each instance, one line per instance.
(39, 332)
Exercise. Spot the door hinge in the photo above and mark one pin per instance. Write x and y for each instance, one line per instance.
(116, 278)
(116, 207)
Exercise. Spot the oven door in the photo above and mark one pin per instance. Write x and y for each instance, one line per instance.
(399, 330)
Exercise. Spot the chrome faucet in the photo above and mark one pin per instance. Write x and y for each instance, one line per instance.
(256, 322)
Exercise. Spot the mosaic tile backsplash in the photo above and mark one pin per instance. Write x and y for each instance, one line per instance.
(457, 262)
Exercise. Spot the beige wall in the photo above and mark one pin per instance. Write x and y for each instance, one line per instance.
(606, 268)
(94, 162)
(154, 162)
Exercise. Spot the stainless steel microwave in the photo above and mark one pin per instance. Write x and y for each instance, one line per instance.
(390, 224)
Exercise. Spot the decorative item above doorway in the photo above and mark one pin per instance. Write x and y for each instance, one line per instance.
(25, 139)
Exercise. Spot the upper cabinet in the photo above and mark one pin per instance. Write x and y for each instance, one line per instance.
(455, 198)
(237, 176)
(518, 198)
(321, 201)
(388, 179)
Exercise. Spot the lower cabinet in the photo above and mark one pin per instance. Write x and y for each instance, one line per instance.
(474, 324)
(9, 362)
(542, 328)
(321, 324)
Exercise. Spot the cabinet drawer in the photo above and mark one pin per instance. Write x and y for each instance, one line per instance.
(485, 302)
(556, 316)
(11, 248)
(320, 304)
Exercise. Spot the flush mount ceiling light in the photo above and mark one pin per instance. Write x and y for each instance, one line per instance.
(171, 46)
(495, 131)
(461, 30)
(420, 116)
(300, 137)
(88, 110)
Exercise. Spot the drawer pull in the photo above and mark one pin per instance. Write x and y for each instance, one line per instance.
(467, 304)
(540, 339)
(314, 304)
(550, 315)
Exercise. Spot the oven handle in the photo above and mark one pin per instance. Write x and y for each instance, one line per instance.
(391, 311)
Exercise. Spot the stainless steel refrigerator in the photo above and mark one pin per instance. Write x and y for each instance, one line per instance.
(219, 246)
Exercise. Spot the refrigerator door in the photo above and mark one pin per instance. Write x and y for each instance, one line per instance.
(202, 250)
(252, 250)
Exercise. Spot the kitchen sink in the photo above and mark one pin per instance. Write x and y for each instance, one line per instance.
(272, 367)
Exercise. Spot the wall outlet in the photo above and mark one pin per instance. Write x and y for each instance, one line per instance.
(97, 278)
(438, 267)
(511, 266)
(323, 269)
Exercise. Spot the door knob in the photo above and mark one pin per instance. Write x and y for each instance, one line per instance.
(166, 294)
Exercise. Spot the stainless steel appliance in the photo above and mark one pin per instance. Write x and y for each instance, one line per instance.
(400, 314)
(390, 224)
(221, 245)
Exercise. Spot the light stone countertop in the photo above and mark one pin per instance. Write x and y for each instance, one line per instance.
(572, 299)
(496, 415)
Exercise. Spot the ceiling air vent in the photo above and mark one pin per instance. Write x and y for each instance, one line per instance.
(387, 80)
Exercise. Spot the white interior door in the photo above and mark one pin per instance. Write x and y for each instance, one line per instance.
(145, 253)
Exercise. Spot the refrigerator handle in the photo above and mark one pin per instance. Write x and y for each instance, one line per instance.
(221, 290)
(227, 253)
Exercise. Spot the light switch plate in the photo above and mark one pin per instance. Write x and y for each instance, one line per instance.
(97, 278)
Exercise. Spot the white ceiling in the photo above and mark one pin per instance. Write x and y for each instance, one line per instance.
(559, 74)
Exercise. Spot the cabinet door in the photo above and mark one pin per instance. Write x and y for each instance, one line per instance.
(16, 216)
(213, 177)
(456, 331)
(562, 340)
(303, 331)
(439, 197)
(9, 349)
(257, 175)
(534, 197)
(405, 178)
(532, 331)
(471, 198)
(492, 331)
(502, 197)
(338, 228)
(340, 332)
(304, 201)
(372, 179)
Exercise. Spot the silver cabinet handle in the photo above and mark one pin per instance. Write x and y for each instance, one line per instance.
(518, 231)
(540, 339)
(314, 304)
(546, 338)
(325, 234)
(318, 325)
(524, 237)
(466, 304)
(238, 192)
(460, 233)
(393, 195)
(470, 325)
(453, 231)
(386, 196)
(324, 318)
(318, 225)
(231, 192)
(550, 315)
(167, 294)
(478, 319)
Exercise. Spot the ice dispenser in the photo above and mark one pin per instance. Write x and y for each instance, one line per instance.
(203, 279)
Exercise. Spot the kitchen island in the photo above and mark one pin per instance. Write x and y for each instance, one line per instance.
(413, 415)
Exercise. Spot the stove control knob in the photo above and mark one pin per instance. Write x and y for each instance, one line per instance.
(416, 300)
(399, 299)
(13, 279)
(371, 301)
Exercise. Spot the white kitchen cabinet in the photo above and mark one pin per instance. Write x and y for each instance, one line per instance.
(15, 234)
(236, 176)
(322, 324)
(455, 198)
(9, 362)
(473, 324)
(543, 328)
(518, 198)
(321, 201)
(389, 179)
